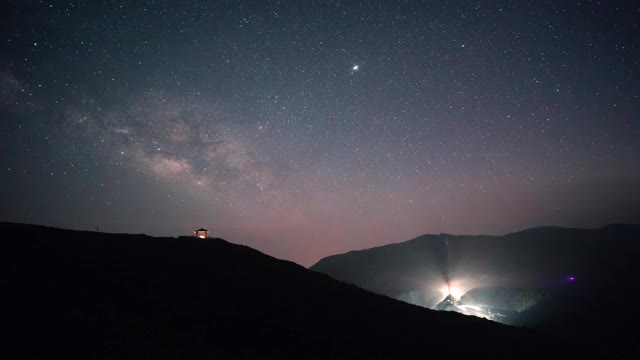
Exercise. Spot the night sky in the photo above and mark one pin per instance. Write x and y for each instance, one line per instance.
(308, 128)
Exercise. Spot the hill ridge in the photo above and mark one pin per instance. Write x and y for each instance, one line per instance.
(96, 297)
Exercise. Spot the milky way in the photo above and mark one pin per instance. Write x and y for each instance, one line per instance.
(309, 128)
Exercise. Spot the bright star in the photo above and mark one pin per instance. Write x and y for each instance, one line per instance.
(355, 68)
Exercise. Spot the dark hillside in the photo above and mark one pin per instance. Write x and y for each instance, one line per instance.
(71, 294)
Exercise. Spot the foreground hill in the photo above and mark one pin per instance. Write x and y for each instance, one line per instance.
(576, 284)
(70, 294)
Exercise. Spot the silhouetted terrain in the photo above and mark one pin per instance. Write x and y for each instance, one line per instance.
(579, 285)
(87, 295)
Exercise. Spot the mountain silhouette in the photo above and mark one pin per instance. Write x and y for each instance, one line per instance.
(574, 284)
(89, 295)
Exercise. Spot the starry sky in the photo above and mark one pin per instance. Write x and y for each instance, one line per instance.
(308, 128)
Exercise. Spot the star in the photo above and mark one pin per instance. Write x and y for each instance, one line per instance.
(355, 68)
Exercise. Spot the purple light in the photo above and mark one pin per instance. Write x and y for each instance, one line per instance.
(571, 278)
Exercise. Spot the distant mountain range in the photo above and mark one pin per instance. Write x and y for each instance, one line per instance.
(88, 295)
(576, 284)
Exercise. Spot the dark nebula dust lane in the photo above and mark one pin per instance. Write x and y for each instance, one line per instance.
(305, 129)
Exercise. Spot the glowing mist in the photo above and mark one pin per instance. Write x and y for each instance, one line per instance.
(447, 270)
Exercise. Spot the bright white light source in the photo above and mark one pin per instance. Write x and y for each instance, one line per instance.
(355, 68)
(455, 291)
